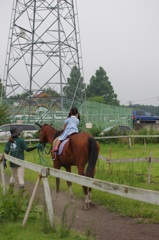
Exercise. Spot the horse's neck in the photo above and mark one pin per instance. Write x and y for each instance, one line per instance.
(57, 133)
(51, 134)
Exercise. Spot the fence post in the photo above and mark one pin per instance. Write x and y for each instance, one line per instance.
(110, 160)
(44, 174)
(129, 141)
(2, 173)
(31, 201)
(145, 144)
(48, 199)
(149, 169)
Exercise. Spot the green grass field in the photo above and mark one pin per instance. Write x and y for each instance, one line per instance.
(127, 173)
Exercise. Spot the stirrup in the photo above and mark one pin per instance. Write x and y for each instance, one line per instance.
(54, 156)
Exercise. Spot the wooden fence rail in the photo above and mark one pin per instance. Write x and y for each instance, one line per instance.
(139, 194)
(149, 160)
(129, 137)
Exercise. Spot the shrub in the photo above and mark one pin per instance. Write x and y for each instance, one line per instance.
(12, 205)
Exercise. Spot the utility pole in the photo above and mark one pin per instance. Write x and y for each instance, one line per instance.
(43, 47)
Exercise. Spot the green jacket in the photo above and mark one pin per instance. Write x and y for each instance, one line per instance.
(16, 149)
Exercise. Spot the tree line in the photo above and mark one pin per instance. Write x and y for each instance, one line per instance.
(99, 89)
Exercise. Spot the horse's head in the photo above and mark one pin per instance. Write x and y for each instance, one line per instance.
(46, 134)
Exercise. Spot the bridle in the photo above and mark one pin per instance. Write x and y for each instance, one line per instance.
(48, 135)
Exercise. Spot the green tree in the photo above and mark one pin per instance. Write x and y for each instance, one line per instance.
(99, 99)
(51, 92)
(23, 95)
(4, 114)
(100, 89)
(74, 85)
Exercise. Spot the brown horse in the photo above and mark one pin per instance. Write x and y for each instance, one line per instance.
(81, 149)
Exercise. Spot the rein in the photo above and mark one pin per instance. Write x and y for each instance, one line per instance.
(48, 151)
(41, 155)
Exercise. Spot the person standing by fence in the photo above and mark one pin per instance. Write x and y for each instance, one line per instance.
(15, 146)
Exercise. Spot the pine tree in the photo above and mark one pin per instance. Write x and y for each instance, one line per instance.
(100, 89)
(74, 85)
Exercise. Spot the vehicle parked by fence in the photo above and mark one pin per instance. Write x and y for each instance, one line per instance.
(28, 130)
(145, 117)
(116, 130)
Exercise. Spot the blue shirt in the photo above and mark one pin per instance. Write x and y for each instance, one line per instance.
(71, 127)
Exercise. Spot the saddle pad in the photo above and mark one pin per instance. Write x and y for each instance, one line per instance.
(62, 146)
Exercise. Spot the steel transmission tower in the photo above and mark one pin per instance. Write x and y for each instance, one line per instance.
(43, 49)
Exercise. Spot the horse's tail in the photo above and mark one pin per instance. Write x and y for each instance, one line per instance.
(93, 156)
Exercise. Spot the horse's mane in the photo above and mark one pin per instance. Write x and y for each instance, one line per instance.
(58, 133)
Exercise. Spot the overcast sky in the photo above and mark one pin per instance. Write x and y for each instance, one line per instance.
(122, 36)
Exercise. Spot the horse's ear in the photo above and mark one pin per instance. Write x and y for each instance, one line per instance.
(37, 126)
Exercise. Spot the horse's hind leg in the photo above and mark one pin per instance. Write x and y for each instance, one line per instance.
(57, 166)
(88, 201)
(69, 184)
(86, 190)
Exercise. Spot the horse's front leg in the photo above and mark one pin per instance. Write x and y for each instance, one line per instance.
(57, 187)
(69, 184)
(57, 166)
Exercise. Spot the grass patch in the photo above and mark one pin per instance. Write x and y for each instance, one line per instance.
(33, 230)
(127, 173)
(12, 209)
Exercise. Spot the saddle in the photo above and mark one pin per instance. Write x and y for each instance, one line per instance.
(62, 143)
(62, 146)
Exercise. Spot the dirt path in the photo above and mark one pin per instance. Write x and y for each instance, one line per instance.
(101, 224)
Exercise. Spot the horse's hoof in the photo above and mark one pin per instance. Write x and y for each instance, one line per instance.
(85, 208)
(88, 201)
